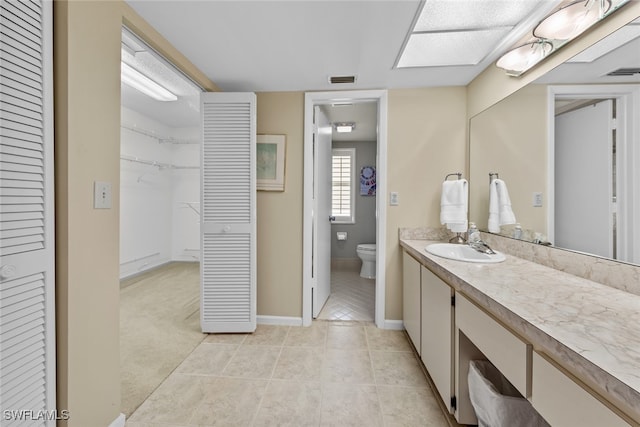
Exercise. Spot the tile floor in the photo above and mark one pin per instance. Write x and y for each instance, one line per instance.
(329, 374)
(352, 297)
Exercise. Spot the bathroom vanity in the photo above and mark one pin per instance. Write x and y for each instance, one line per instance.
(571, 346)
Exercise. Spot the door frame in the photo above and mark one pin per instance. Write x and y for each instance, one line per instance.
(308, 281)
(627, 146)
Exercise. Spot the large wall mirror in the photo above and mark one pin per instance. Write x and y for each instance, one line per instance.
(567, 147)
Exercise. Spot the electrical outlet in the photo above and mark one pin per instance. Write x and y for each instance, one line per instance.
(101, 195)
(537, 200)
(393, 198)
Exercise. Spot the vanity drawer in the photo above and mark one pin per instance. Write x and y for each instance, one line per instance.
(506, 351)
(562, 402)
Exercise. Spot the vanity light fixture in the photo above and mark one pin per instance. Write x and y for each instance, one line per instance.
(519, 59)
(555, 31)
(571, 20)
(144, 84)
(344, 127)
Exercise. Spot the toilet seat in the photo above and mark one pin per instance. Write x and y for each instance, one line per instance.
(367, 247)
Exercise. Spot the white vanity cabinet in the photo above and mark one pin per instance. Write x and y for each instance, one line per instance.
(485, 324)
(563, 402)
(411, 298)
(437, 333)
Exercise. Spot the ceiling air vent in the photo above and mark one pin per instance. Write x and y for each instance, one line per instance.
(625, 72)
(342, 79)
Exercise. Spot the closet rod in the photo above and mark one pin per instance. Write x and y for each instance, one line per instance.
(159, 165)
(161, 139)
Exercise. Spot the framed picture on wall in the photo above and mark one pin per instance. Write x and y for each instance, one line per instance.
(368, 181)
(270, 162)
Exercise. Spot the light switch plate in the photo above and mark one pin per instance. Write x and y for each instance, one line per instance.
(537, 200)
(101, 195)
(393, 198)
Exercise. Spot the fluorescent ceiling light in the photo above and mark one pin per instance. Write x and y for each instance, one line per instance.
(345, 127)
(144, 84)
(447, 15)
(464, 32)
(449, 48)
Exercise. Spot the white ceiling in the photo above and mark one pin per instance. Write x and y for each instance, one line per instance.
(291, 45)
(296, 45)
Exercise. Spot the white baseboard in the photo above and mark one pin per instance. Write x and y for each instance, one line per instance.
(279, 320)
(396, 325)
(118, 422)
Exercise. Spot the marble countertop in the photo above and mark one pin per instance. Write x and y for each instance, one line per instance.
(590, 329)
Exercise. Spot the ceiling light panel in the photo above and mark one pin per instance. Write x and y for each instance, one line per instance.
(445, 15)
(450, 48)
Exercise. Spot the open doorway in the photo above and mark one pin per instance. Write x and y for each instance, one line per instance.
(159, 220)
(594, 122)
(353, 211)
(321, 244)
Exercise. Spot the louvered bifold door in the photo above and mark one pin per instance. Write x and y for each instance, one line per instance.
(27, 347)
(228, 229)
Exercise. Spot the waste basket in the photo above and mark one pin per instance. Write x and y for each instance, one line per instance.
(496, 401)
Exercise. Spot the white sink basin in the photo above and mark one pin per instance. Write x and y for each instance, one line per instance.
(463, 253)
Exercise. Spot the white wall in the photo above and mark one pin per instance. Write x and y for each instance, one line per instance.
(154, 227)
(186, 188)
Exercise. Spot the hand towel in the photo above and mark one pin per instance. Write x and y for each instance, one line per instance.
(500, 212)
(454, 204)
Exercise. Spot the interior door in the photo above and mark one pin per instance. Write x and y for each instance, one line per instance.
(228, 212)
(27, 300)
(584, 180)
(322, 203)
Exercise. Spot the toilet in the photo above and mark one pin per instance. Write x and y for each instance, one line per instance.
(367, 253)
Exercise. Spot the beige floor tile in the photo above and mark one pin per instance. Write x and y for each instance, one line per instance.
(350, 405)
(409, 406)
(208, 359)
(300, 364)
(291, 404)
(230, 402)
(312, 336)
(175, 400)
(252, 361)
(346, 337)
(347, 366)
(396, 368)
(267, 335)
(386, 340)
(225, 338)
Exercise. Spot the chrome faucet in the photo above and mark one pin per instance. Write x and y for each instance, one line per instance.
(476, 243)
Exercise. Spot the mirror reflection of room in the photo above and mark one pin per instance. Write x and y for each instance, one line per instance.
(565, 146)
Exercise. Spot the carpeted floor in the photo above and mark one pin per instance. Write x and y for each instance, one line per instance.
(159, 328)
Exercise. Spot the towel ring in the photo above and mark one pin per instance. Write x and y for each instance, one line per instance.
(492, 176)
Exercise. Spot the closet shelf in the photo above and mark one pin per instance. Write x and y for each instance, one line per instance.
(160, 138)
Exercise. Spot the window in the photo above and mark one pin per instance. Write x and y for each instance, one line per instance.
(343, 185)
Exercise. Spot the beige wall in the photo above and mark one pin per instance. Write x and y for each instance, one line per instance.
(280, 213)
(493, 84)
(87, 149)
(426, 141)
(511, 138)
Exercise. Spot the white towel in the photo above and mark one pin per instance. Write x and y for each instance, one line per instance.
(454, 205)
(500, 212)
